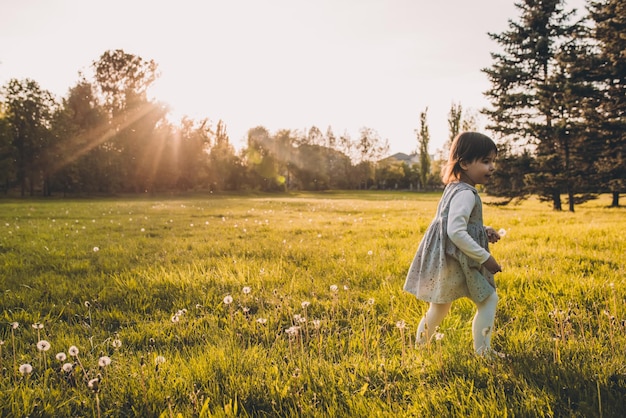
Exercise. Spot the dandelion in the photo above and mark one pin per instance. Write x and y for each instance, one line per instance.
(175, 318)
(317, 323)
(158, 360)
(305, 304)
(370, 252)
(73, 350)
(43, 345)
(371, 301)
(293, 331)
(261, 321)
(438, 336)
(334, 288)
(37, 325)
(116, 343)
(26, 369)
(246, 290)
(87, 304)
(401, 324)
(93, 384)
(96, 249)
(104, 361)
(61, 356)
(15, 325)
(228, 299)
(502, 232)
(67, 367)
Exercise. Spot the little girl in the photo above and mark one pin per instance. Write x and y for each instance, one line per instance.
(453, 258)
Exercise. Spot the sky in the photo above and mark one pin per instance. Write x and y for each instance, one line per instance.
(281, 64)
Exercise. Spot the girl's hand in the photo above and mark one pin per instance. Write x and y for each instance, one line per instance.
(492, 235)
(492, 265)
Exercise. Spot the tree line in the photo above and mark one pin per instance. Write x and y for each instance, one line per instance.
(557, 110)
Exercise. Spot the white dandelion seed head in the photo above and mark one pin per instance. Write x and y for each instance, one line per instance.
(305, 304)
(292, 331)
(246, 290)
(61, 356)
(175, 318)
(87, 304)
(245, 309)
(93, 383)
(502, 232)
(345, 287)
(317, 323)
(438, 336)
(261, 320)
(15, 325)
(67, 367)
(104, 361)
(159, 360)
(43, 345)
(116, 343)
(228, 299)
(73, 351)
(370, 252)
(334, 288)
(371, 301)
(38, 325)
(401, 324)
(26, 368)
(96, 249)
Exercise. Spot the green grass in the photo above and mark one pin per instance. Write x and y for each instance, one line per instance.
(145, 281)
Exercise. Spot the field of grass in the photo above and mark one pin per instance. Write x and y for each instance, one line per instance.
(293, 306)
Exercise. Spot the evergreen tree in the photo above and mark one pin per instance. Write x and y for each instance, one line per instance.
(524, 110)
(607, 116)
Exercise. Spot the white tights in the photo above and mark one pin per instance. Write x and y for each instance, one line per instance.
(482, 325)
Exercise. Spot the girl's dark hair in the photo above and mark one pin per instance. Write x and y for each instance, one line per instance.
(467, 147)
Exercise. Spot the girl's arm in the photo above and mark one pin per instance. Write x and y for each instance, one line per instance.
(461, 207)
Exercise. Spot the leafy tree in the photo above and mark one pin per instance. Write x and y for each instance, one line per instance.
(7, 151)
(523, 79)
(80, 128)
(223, 161)
(122, 81)
(29, 110)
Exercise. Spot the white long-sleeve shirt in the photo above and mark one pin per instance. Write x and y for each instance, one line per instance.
(461, 207)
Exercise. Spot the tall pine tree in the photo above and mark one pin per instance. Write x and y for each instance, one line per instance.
(607, 116)
(524, 78)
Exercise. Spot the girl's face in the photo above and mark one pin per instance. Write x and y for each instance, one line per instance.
(478, 171)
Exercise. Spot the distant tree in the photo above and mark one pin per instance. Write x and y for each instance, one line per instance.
(262, 162)
(508, 180)
(455, 116)
(80, 128)
(122, 80)
(223, 161)
(29, 110)
(423, 138)
(7, 152)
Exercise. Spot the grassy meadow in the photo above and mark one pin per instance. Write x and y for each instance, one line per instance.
(292, 305)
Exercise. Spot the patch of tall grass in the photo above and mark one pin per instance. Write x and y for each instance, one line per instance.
(293, 306)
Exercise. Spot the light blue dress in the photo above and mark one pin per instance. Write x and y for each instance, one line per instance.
(440, 271)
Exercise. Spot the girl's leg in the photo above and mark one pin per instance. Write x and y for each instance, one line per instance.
(429, 323)
(482, 326)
